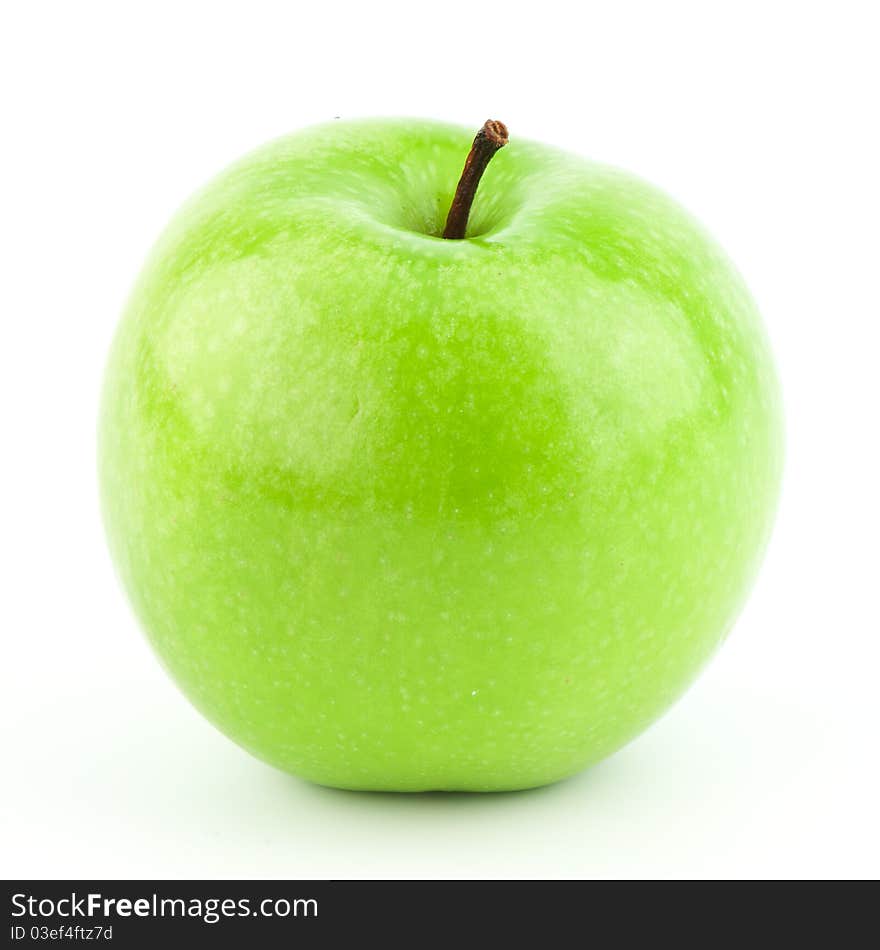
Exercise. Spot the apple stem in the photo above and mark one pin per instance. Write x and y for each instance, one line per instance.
(491, 137)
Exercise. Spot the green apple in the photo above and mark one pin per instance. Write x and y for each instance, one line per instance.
(405, 512)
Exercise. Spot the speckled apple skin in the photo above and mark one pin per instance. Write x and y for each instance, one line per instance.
(404, 513)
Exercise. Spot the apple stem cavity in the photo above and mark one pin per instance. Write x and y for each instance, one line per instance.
(491, 137)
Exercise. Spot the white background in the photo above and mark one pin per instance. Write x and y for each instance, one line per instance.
(760, 117)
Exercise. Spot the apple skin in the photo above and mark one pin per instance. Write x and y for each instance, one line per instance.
(405, 513)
